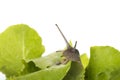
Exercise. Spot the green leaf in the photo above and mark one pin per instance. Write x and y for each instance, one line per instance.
(29, 68)
(44, 68)
(42, 63)
(84, 60)
(49, 60)
(104, 64)
(52, 73)
(17, 43)
(76, 72)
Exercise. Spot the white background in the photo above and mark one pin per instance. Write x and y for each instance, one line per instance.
(90, 22)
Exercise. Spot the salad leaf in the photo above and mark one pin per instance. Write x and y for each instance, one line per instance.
(49, 60)
(84, 60)
(18, 43)
(42, 63)
(44, 68)
(104, 64)
(29, 68)
(52, 73)
(76, 72)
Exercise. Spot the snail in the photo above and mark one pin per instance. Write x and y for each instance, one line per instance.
(71, 53)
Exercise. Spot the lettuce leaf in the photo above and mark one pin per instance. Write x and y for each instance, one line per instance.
(104, 64)
(44, 68)
(76, 72)
(18, 43)
(37, 64)
(84, 60)
(49, 60)
(52, 73)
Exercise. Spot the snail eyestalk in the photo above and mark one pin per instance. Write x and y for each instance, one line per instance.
(68, 45)
(75, 44)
